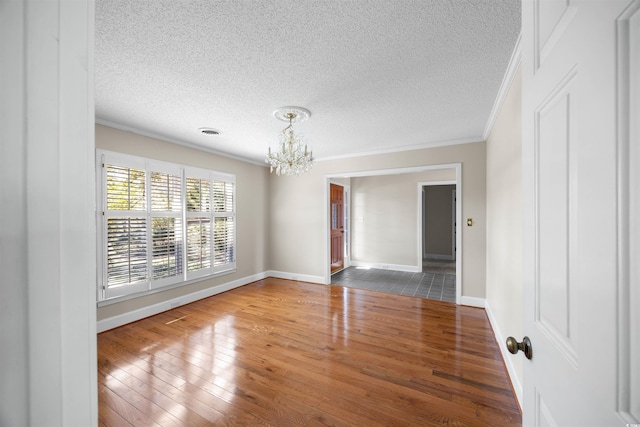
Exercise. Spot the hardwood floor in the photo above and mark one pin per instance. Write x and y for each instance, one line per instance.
(285, 353)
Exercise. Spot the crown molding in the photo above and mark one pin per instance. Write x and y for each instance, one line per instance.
(423, 146)
(434, 144)
(514, 63)
(176, 141)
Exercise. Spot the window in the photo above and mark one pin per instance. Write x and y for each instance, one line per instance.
(161, 224)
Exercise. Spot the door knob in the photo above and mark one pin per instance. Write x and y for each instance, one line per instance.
(524, 346)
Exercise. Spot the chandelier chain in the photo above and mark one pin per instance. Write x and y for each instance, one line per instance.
(292, 157)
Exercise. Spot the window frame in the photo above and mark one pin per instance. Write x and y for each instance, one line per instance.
(107, 294)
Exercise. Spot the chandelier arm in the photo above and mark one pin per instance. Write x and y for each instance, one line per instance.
(290, 158)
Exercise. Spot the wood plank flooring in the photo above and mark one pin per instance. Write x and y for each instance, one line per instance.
(285, 353)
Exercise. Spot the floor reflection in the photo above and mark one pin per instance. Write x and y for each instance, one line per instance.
(280, 352)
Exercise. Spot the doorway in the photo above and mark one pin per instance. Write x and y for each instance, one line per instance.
(439, 221)
(416, 266)
(439, 238)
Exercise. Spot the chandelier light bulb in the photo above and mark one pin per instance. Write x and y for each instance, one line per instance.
(290, 158)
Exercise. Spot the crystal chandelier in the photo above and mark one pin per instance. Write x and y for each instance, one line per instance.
(290, 158)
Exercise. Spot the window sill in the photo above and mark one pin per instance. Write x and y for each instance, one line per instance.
(116, 300)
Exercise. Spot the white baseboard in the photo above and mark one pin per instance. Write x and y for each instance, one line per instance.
(473, 301)
(506, 356)
(141, 313)
(381, 266)
(295, 276)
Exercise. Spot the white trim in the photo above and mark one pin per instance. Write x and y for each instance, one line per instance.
(347, 226)
(297, 277)
(141, 313)
(382, 266)
(165, 138)
(431, 183)
(47, 339)
(459, 194)
(434, 144)
(346, 215)
(394, 171)
(514, 62)
(194, 146)
(126, 297)
(628, 206)
(454, 231)
(473, 302)
(506, 356)
(327, 229)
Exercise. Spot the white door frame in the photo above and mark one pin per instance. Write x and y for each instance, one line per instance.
(628, 231)
(47, 172)
(346, 240)
(347, 225)
(454, 214)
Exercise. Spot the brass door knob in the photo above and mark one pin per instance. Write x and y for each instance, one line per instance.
(524, 346)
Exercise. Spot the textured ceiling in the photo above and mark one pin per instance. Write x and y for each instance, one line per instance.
(377, 75)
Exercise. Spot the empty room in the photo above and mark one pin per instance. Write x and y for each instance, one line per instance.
(224, 213)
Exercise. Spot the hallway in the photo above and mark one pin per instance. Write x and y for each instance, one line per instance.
(436, 282)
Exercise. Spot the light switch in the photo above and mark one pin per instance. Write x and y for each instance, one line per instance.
(469, 222)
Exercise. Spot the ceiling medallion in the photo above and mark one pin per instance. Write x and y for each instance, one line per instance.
(290, 157)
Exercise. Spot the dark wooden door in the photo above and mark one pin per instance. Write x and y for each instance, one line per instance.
(337, 227)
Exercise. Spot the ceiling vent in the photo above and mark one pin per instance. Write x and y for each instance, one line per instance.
(209, 131)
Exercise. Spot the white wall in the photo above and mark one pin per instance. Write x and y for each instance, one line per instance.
(504, 226)
(298, 210)
(47, 224)
(252, 217)
(384, 217)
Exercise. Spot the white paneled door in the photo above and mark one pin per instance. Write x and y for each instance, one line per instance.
(580, 106)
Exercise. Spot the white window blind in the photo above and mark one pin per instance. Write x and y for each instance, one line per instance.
(224, 224)
(158, 218)
(166, 224)
(198, 226)
(126, 250)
